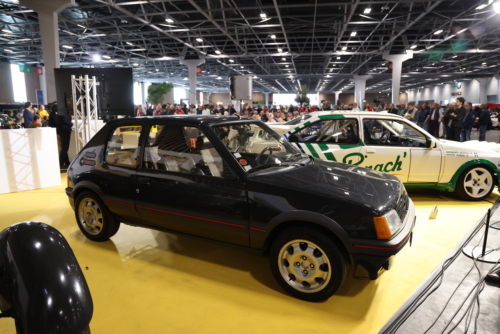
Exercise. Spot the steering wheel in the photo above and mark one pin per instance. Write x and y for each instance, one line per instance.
(259, 157)
(385, 137)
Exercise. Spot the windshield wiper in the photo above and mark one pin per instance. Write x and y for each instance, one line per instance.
(254, 169)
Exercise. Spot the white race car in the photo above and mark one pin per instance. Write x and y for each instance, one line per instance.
(392, 144)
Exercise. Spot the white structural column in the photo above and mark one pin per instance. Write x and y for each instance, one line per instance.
(337, 96)
(360, 89)
(267, 98)
(191, 65)
(397, 67)
(48, 23)
(482, 90)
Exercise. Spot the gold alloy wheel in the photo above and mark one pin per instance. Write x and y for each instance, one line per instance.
(90, 216)
(304, 266)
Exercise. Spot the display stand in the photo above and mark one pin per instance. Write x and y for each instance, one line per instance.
(84, 109)
(485, 254)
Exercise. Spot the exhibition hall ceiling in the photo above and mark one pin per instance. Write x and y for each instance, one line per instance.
(282, 43)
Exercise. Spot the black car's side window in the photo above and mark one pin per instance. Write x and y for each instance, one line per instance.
(181, 149)
(333, 131)
(123, 146)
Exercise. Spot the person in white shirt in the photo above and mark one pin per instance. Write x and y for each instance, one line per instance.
(355, 107)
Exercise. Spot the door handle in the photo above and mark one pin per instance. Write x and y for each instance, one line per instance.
(370, 150)
(143, 180)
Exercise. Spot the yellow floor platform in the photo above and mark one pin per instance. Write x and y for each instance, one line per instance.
(144, 281)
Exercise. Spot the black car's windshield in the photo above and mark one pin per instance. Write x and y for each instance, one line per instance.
(298, 120)
(256, 147)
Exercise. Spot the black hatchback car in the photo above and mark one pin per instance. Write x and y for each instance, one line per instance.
(236, 181)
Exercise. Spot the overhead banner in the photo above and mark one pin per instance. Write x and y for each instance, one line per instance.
(25, 69)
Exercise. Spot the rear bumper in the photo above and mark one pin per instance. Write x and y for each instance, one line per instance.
(372, 257)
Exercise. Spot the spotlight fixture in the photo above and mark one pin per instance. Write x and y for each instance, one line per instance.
(344, 48)
(81, 26)
(231, 61)
(481, 6)
(130, 43)
(413, 47)
(262, 15)
(438, 32)
(199, 40)
(135, 64)
(353, 34)
(367, 10)
(283, 59)
(96, 57)
(7, 31)
(217, 51)
(67, 46)
(242, 66)
(273, 36)
(218, 78)
(496, 7)
(280, 50)
(338, 58)
(106, 57)
(169, 20)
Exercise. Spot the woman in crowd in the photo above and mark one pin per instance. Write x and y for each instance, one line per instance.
(37, 122)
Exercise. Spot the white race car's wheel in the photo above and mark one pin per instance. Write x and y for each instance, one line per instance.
(475, 183)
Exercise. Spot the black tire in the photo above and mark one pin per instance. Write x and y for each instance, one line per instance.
(97, 223)
(326, 280)
(479, 175)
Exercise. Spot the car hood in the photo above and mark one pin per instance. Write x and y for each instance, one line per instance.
(377, 191)
(472, 146)
(280, 128)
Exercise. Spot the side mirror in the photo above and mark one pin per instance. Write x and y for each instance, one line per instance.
(431, 143)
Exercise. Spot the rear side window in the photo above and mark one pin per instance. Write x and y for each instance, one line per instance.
(123, 146)
(181, 149)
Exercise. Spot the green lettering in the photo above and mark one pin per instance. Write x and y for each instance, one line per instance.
(369, 167)
(379, 167)
(387, 166)
(350, 162)
(397, 165)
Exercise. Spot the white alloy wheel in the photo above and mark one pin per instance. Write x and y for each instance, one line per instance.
(478, 182)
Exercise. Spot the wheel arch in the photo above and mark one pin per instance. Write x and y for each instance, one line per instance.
(83, 186)
(474, 163)
(311, 219)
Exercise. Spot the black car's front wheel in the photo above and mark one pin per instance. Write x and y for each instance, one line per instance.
(93, 217)
(307, 264)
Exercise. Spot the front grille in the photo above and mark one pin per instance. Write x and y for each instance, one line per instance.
(402, 206)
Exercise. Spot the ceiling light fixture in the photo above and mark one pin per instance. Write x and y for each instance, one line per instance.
(199, 40)
(438, 32)
(367, 10)
(106, 57)
(81, 26)
(496, 7)
(353, 34)
(231, 61)
(455, 56)
(262, 15)
(280, 50)
(67, 46)
(96, 57)
(338, 58)
(217, 51)
(129, 43)
(135, 64)
(283, 59)
(344, 48)
(481, 6)
(273, 36)
(7, 31)
(218, 78)
(242, 66)
(8, 50)
(169, 20)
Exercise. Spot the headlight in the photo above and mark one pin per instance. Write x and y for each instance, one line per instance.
(387, 225)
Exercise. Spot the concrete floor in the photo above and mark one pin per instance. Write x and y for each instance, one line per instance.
(144, 281)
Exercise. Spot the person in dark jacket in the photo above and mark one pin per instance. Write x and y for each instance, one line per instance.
(484, 120)
(64, 128)
(468, 121)
(457, 119)
(28, 114)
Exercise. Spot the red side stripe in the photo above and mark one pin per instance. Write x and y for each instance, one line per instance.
(107, 200)
(178, 214)
(256, 229)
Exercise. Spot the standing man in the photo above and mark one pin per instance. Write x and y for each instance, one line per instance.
(392, 109)
(484, 120)
(64, 126)
(28, 114)
(469, 118)
(457, 119)
(434, 118)
(231, 110)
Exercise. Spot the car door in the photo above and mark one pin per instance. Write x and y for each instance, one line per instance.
(379, 152)
(332, 137)
(182, 185)
(120, 165)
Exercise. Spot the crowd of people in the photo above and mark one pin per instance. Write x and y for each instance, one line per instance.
(30, 117)
(454, 121)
